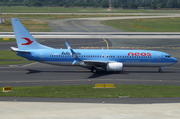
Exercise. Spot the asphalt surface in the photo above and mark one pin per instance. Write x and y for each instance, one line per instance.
(74, 25)
(38, 74)
(90, 24)
(47, 75)
(94, 100)
(58, 110)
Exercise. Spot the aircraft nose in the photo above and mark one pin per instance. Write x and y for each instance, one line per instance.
(175, 60)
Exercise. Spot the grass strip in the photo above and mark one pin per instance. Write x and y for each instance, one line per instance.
(24, 9)
(31, 26)
(7, 56)
(14, 62)
(156, 25)
(58, 16)
(87, 91)
(10, 40)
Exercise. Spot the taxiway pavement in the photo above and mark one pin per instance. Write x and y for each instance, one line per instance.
(49, 110)
(37, 74)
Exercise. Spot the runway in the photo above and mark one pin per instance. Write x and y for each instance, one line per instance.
(47, 75)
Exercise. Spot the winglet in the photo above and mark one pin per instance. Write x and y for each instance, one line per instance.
(68, 46)
(73, 54)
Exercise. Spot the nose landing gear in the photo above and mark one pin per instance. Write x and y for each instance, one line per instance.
(160, 70)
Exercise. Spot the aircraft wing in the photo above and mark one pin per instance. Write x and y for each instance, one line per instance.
(96, 62)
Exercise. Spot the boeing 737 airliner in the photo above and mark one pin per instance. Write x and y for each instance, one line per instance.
(110, 60)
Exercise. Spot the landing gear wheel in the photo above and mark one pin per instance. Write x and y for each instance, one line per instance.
(93, 70)
(160, 70)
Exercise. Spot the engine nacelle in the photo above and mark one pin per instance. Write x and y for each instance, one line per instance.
(114, 66)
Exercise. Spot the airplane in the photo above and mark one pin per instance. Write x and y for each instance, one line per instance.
(110, 60)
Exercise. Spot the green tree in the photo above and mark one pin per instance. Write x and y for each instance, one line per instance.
(153, 6)
(115, 4)
(105, 4)
(38, 4)
(163, 5)
(60, 4)
(172, 3)
(66, 5)
(125, 6)
(133, 6)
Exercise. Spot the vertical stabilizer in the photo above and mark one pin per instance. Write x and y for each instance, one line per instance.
(24, 39)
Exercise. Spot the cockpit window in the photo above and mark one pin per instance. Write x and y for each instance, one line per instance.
(168, 56)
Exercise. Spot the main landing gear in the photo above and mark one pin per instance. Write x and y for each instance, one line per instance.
(93, 70)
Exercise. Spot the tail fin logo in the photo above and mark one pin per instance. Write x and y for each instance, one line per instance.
(28, 41)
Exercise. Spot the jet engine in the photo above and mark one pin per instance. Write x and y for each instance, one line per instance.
(114, 66)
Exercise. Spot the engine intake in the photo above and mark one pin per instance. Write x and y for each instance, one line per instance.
(114, 66)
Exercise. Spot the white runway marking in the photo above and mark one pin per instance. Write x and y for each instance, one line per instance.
(29, 64)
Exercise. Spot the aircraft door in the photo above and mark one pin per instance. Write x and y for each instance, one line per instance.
(107, 57)
(158, 57)
(41, 56)
(103, 57)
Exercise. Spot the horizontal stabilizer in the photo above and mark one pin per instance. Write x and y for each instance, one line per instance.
(17, 50)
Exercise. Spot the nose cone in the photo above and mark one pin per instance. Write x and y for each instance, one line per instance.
(174, 60)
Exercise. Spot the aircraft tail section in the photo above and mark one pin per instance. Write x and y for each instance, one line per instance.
(24, 39)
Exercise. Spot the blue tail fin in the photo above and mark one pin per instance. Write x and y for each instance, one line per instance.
(24, 39)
